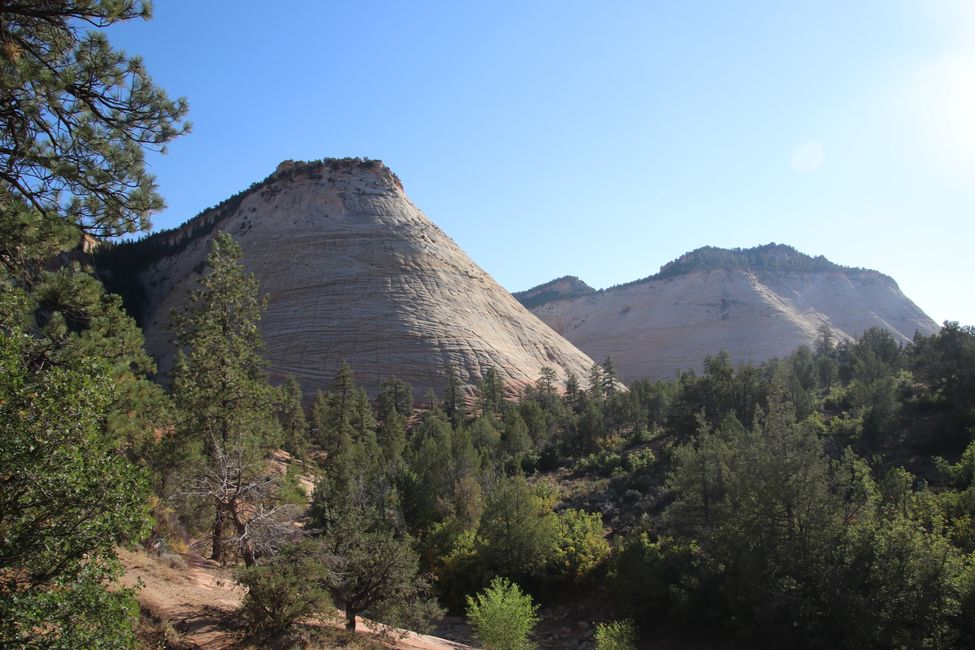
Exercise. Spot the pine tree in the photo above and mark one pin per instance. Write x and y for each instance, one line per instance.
(546, 387)
(573, 394)
(291, 414)
(373, 566)
(74, 399)
(320, 420)
(222, 392)
(609, 378)
(68, 496)
(395, 396)
(338, 428)
(454, 403)
(395, 406)
(515, 439)
(597, 388)
(77, 117)
(489, 393)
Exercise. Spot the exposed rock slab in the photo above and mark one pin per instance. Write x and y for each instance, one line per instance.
(655, 327)
(355, 272)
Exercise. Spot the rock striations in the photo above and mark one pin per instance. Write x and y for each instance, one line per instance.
(755, 304)
(354, 272)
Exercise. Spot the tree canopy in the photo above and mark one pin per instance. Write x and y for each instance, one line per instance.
(75, 119)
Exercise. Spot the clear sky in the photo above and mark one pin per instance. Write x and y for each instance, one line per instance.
(601, 138)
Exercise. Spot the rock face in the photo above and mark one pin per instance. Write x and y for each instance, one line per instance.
(755, 304)
(568, 286)
(354, 272)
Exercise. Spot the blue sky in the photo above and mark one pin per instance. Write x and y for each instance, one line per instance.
(601, 139)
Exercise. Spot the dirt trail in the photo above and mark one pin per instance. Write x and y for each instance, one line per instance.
(198, 600)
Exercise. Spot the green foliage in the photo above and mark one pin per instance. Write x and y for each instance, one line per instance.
(291, 415)
(344, 414)
(290, 490)
(454, 402)
(502, 616)
(75, 406)
(515, 441)
(284, 588)
(646, 575)
(519, 533)
(226, 405)
(770, 257)
(68, 497)
(798, 547)
(443, 482)
(395, 397)
(489, 394)
(616, 635)
(945, 362)
(457, 568)
(371, 557)
(220, 384)
(602, 463)
(639, 460)
(582, 545)
(79, 115)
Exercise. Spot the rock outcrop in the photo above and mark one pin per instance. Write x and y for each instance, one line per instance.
(354, 272)
(755, 304)
(568, 286)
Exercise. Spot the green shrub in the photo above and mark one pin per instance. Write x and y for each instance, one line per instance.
(503, 616)
(602, 463)
(582, 544)
(639, 460)
(616, 635)
(284, 588)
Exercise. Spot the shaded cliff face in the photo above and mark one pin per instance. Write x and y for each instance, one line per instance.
(354, 272)
(754, 304)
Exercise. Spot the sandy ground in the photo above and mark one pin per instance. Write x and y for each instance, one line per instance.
(199, 601)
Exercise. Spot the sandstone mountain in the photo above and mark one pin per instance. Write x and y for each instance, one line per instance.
(354, 272)
(568, 286)
(755, 304)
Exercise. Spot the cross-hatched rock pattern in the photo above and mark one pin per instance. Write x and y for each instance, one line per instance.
(666, 323)
(355, 272)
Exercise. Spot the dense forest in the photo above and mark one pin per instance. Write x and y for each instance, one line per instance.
(826, 499)
(821, 500)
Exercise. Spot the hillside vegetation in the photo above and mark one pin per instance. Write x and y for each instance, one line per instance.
(826, 499)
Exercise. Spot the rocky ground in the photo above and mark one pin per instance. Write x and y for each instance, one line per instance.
(189, 602)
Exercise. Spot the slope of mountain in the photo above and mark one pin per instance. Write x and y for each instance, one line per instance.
(355, 272)
(568, 286)
(754, 303)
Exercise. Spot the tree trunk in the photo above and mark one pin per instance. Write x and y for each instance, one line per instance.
(246, 550)
(349, 618)
(217, 550)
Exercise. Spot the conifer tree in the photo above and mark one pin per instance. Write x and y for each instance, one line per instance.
(597, 386)
(319, 420)
(291, 414)
(373, 565)
(74, 399)
(343, 415)
(222, 392)
(573, 394)
(515, 439)
(395, 396)
(489, 393)
(395, 405)
(454, 403)
(609, 378)
(546, 387)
